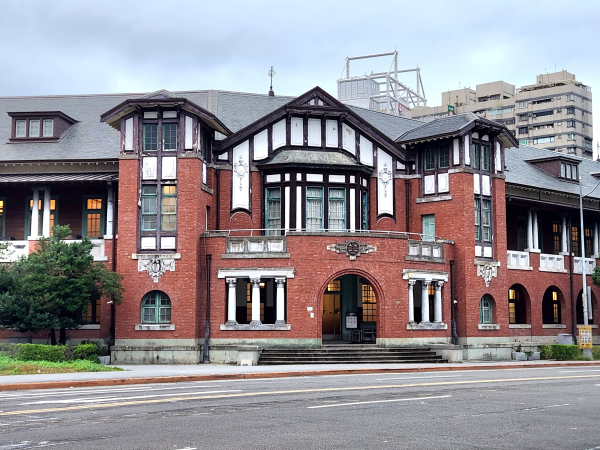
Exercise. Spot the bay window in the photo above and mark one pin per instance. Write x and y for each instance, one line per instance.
(337, 209)
(273, 211)
(314, 208)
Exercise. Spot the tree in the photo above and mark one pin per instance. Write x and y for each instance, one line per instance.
(53, 286)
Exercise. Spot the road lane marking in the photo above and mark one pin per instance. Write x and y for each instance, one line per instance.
(582, 370)
(378, 401)
(544, 407)
(99, 391)
(106, 399)
(413, 378)
(296, 391)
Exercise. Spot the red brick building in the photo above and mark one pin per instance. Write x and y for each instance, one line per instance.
(244, 221)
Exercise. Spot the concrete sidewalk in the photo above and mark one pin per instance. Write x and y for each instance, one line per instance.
(148, 374)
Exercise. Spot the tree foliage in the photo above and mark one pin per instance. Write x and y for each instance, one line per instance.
(53, 286)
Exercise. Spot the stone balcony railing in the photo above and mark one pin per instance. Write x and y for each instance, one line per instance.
(256, 247)
(427, 251)
(16, 249)
(552, 263)
(590, 263)
(518, 260)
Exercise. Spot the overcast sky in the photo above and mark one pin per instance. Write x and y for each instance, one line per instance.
(84, 47)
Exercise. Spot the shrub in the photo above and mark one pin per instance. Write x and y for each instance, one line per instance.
(545, 351)
(564, 352)
(38, 352)
(88, 352)
(101, 349)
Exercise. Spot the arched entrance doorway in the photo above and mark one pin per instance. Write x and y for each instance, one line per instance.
(518, 305)
(552, 304)
(349, 302)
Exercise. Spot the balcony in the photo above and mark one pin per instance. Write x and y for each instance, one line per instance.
(426, 251)
(16, 249)
(552, 263)
(518, 260)
(256, 247)
(590, 263)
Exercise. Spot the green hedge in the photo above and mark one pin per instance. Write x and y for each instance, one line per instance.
(545, 351)
(54, 353)
(37, 352)
(564, 352)
(86, 351)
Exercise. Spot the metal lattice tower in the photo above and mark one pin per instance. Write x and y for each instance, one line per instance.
(381, 91)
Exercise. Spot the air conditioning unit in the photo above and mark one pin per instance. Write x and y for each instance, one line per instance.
(559, 110)
(530, 115)
(530, 127)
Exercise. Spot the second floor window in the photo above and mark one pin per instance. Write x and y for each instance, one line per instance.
(314, 208)
(337, 209)
(273, 210)
(483, 220)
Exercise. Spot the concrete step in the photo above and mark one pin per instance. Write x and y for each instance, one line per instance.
(317, 361)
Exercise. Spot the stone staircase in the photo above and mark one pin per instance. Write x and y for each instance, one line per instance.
(349, 354)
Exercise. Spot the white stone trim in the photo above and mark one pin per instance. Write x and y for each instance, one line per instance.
(155, 327)
(90, 326)
(282, 272)
(424, 275)
(488, 326)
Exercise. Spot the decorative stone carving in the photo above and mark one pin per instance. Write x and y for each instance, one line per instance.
(487, 272)
(241, 170)
(352, 248)
(155, 265)
(385, 176)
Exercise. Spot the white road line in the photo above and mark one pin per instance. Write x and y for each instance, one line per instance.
(107, 399)
(99, 391)
(583, 370)
(378, 401)
(412, 378)
(549, 406)
(5, 424)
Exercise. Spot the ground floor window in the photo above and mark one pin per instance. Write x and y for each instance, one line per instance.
(156, 308)
(369, 304)
(485, 309)
(92, 314)
(551, 311)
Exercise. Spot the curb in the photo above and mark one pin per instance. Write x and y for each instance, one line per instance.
(258, 375)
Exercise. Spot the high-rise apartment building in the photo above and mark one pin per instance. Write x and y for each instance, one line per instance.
(555, 113)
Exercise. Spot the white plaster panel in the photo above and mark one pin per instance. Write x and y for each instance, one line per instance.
(314, 132)
(287, 207)
(151, 115)
(337, 178)
(443, 182)
(273, 178)
(204, 172)
(331, 133)
(223, 156)
(314, 177)
(349, 139)
(240, 177)
(498, 158)
(298, 207)
(487, 252)
(261, 145)
(476, 135)
(366, 151)
(478, 250)
(467, 150)
(129, 134)
(456, 152)
(476, 183)
(352, 209)
(170, 114)
(400, 165)
(485, 185)
(149, 168)
(385, 182)
(148, 243)
(485, 137)
(298, 177)
(169, 167)
(429, 181)
(279, 135)
(167, 243)
(189, 124)
(352, 179)
(297, 131)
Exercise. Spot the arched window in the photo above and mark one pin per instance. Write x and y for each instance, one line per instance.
(485, 309)
(156, 308)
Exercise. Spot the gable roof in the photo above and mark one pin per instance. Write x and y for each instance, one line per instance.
(521, 171)
(455, 125)
(392, 126)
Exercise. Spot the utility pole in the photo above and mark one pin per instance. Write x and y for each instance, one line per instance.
(586, 351)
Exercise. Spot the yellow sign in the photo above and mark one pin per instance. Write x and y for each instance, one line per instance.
(585, 336)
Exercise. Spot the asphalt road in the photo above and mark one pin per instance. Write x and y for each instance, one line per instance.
(544, 408)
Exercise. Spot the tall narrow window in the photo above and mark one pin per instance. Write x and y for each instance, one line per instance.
(150, 137)
(429, 163)
(169, 208)
(476, 156)
(1, 217)
(512, 306)
(34, 128)
(557, 238)
(48, 128)
(588, 241)
(149, 210)
(428, 227)
(20, 128)
(485, 154)
(485, 310)
(169, 137)
(365, 211)
(314, 208)
(156, 308)
(337, 209)
(92, 314)
(93, 225)
(369, 304)
(273, 211)
(486, 220)
(575, 238)
(444, 157)
(477, 219)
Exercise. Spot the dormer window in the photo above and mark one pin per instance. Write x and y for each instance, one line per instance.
(568, 171)
(46, 126)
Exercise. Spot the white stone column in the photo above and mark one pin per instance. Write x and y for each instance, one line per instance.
(46, 214)
(529, 231)
(110, 214)
(35, 215)
(425, 301)
(536, 236)
(255, 301)
(411, 301)
(280, 299)
(437, 304)
(564, 235)
(231, 301)
(595, 240)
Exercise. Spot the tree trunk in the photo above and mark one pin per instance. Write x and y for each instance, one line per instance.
(52, 337)
(63, 336)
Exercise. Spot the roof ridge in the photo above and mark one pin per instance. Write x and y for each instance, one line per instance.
(385, 114)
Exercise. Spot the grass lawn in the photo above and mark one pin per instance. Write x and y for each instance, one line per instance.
(10, 366)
